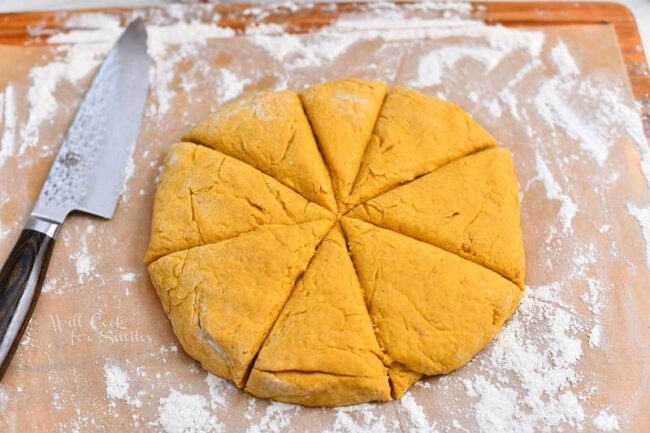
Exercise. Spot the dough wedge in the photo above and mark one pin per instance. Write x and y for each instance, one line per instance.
(204, 196)
(342, 114)
(469, 207)
(414, 135)
(270, 132)
(222, 299)
(432, 310)
(322, 350)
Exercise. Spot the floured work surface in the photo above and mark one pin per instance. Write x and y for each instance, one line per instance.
(99, 353)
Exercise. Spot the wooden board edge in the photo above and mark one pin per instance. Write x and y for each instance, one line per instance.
(14, 27)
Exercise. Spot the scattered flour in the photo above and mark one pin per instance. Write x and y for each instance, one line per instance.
(9, 120)
(117, 385)
(606, 422)
(128, 276)
(568, 208)
(4, 231)
(171, 45)
(434, 65)
(129, 170)
(89, 20)
(495, 108)
(186, 413)
(83, 261)
(117, 382)
(553, 105)
(73, 63)
(415, 416)
(595, 336)
(502, 42)
(396, 27)
(496, 409)
(542, 367)
(231, 84)
(49, 285)
(561, 101)
(643, 216)
(83, 265)
(3, 398)
(298, 51)
(510, 100)
(89, 29)
(193, 413)
(563, 59)
(363, 418)
(278, 416)
(219, 389)
(324, 46)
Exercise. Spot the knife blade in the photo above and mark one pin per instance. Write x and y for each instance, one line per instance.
(87, 176)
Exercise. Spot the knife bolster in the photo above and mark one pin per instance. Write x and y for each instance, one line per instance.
(42, 225)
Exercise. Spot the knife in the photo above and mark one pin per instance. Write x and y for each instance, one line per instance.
(86, 176)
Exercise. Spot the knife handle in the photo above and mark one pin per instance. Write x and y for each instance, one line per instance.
(21, 278)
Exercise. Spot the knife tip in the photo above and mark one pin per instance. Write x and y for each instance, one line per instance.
(136, 28)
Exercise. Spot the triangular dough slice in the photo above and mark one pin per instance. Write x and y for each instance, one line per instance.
(469, 207)
(342, 114)
(414, 135)
(222, 299)
(432, 310)
(204, 196)
(322, 351)
(271, 132)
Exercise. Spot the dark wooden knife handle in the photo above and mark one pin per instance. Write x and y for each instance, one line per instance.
(21, 278)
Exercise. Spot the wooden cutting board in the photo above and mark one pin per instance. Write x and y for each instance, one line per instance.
(93, 319)
(14, 28)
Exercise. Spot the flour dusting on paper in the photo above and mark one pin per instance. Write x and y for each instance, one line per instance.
(606, 422)
(8, 137)
(643, 216)
(186, 413)
(563, 60)
(543, 366)
(117, 382)
(416, 419)
(276, 418)
(76, 63)
(363, 418)
(568, 208)
(532, 376)
(168, 46)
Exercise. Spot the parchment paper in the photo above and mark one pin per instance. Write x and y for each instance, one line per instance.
(99, 308)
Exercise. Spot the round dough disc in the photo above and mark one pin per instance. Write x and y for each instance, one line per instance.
(333, 247)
